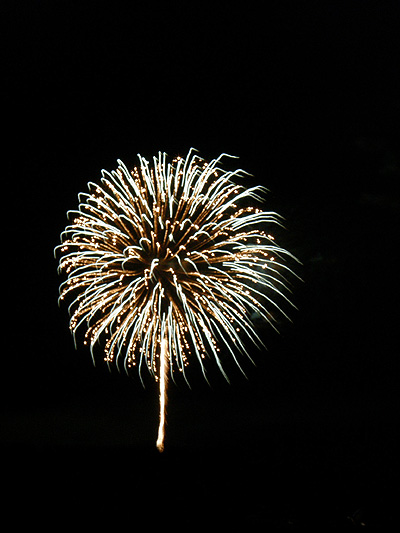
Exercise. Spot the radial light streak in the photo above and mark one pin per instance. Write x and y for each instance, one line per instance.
(167, 262)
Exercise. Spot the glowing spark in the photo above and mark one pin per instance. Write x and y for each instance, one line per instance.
(167, 262)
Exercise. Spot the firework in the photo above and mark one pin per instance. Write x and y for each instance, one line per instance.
(168, 262)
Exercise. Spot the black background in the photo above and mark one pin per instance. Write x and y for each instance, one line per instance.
(307, 95)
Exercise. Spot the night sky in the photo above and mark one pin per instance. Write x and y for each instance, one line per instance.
(307, 94)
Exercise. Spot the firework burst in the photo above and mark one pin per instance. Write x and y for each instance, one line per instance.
(168, 261)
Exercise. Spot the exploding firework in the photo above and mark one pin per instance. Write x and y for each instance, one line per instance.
(168, 262)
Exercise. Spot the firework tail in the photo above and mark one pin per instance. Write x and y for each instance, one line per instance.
(163, 382)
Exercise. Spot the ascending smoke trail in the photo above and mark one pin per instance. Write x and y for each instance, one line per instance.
(163, 392)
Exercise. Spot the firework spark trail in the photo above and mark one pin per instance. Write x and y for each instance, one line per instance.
(167, 262)
(163, 378)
